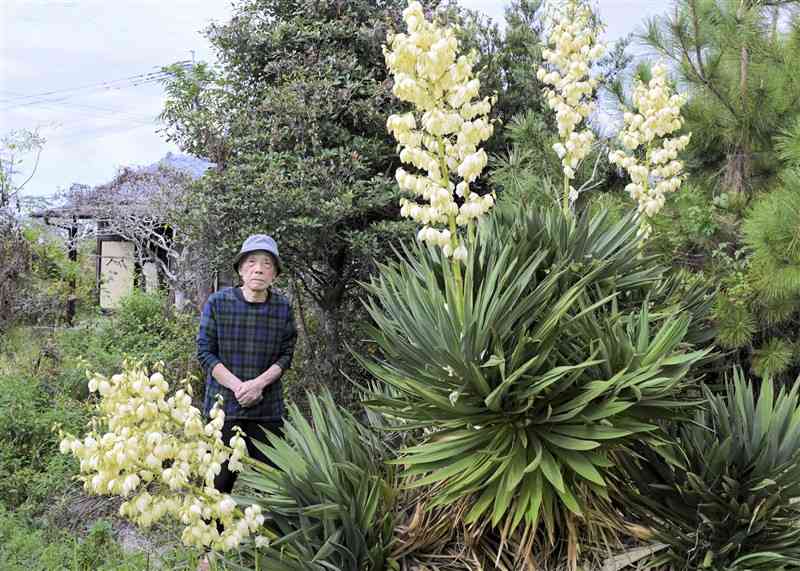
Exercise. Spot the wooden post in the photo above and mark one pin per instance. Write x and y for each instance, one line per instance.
(73, 257)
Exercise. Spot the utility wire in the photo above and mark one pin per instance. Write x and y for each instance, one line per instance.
(46, 97)
(107, 85)
(106, 111)
(69, 96)
(131, 81)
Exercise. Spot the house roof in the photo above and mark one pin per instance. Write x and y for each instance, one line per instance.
(193, 166)
(132, 188)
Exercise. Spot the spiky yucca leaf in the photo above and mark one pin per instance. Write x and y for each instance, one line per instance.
(528, 375)
(329, 500)
(731, 506)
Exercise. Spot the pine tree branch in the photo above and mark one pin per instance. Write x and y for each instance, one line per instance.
(699, 69)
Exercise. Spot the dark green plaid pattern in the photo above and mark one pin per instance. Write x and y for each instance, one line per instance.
(248, 338)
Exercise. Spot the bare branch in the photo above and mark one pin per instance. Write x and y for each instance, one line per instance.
(33, 171)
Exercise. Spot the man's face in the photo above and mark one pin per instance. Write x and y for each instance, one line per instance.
(257, 271)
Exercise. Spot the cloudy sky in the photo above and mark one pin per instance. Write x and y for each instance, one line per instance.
(85, 74)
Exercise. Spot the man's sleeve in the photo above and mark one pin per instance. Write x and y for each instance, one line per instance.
(288, 339)
(207, 338)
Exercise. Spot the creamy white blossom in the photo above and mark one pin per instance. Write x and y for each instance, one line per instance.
(154, 449)
(573, 47)
(440, 138)
(650, 155)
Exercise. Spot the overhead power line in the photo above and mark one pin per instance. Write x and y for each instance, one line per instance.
(95, 110)
(125, 82)
(61, 95)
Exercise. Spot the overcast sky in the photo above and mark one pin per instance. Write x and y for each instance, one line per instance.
(84, 73)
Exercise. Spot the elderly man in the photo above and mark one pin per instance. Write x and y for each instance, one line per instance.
(245, 343)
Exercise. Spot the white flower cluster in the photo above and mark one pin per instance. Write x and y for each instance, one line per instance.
(574, 46)
(650, 156)
(157, 452)
(442, 135)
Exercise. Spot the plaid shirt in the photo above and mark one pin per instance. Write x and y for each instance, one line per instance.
(248, 338)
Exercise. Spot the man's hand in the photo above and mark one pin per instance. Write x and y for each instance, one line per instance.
(248, 393)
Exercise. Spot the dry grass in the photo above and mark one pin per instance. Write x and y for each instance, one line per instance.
(435, 539)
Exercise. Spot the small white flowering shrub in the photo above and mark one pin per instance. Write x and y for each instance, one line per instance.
(154, 449)
(440, 137)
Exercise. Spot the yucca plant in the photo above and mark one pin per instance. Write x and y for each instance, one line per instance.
(329, 500)
(552, 353)
(731, 504)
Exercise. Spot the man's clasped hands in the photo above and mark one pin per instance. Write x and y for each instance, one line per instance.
(248, 393)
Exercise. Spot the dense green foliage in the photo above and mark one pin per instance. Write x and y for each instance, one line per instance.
(30, 467)
(559, 349)
(730, 505)
(331, 500)
(54, 280)
(144, 328)
(750, 255)
(24, 547)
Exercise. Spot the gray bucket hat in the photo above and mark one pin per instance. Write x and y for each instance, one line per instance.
(259, 243)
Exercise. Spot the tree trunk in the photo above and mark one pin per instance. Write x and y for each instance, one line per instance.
(204, 287)
(328, 365)
(303, 332)
(739, 167)
(330, 332)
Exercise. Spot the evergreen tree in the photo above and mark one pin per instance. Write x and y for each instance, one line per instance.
(740, 67)
(736, 221)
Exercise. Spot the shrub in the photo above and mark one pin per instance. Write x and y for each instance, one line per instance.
(330, 500)
(563, 345)
(145, 329)
(772, 229)
(759, 303)
(686, 225)
(30, 467)
(54, 279)
(730, 504)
